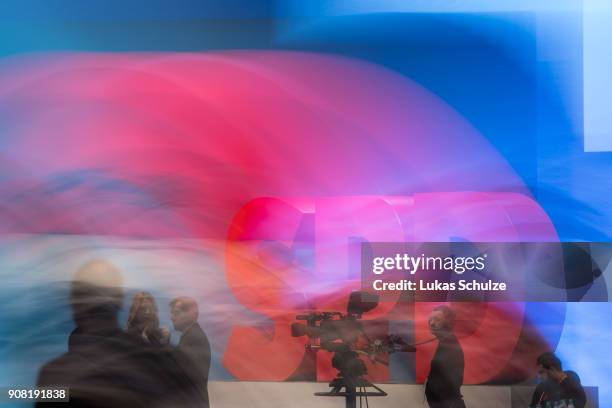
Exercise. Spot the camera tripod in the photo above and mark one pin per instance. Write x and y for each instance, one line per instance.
(353, 388)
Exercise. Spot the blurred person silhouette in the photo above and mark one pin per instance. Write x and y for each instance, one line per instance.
(443, 387)
(143, 321)
(104, 366)
(193, 348)
(556, 385)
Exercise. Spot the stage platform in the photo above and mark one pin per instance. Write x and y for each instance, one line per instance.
(232, 394)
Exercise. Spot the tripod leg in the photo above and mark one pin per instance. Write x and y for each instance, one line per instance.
(351, 397)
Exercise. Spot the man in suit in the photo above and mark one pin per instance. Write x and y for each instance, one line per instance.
(446, 372)
(193, 350)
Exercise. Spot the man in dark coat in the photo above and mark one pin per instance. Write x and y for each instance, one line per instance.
(446, 373)
(193, 350)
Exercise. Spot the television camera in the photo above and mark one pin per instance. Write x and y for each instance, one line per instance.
(344, 335)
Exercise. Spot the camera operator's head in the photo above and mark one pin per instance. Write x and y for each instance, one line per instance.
(183, 312)
(441, 320)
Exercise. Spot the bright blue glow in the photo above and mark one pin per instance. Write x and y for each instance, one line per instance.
(337, 7)
(597, 33)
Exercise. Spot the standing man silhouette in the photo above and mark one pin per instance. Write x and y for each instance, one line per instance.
(446, 372)
(193, 350)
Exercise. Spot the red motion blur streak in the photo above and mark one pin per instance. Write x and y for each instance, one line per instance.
(179, 142)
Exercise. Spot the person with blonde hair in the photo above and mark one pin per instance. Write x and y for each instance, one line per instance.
(143, 321)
